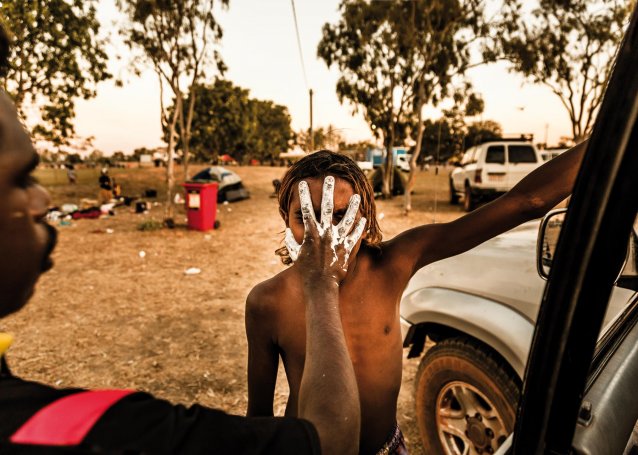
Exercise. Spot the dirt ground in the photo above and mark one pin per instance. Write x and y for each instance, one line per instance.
(107, 317)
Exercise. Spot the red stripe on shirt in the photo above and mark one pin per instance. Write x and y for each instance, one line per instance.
(65, 422)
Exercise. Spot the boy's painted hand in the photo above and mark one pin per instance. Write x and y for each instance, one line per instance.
(326, 247)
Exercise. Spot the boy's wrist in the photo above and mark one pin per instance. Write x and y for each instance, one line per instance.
(320, 282)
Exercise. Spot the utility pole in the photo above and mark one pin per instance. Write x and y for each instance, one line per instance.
(546, 130)
(312, 137)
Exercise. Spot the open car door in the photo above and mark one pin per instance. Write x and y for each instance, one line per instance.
(580, 395)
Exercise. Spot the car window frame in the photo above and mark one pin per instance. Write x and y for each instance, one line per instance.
(590, 252)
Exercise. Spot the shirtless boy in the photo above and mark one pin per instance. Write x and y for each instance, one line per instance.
(371, 290)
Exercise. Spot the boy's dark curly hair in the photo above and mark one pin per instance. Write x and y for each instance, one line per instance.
(319, 165)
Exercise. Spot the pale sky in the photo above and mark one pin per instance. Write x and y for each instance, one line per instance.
(260, 49)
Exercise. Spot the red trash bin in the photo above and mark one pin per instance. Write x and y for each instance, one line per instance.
(201, 205)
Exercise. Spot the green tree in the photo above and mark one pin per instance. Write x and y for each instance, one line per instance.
(271, 131)
(477, 132)
(451, 135)
(569, 46)
(323, 138)
(56, 57)
(375, 77)
(227, 121)
(118, 156)
(171, 35)
(396, 56)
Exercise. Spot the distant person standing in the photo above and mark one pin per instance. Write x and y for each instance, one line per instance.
(106, 187)
(71, 175)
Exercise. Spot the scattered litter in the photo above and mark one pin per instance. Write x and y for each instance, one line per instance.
(65, 223)
(207, 237)
(89, 214)
(178, 199)
(54, 216)
(381, 216)
(273, 262)
(192, 271)
(156, 204)
(109, 231)
(107, 208)
(142, 254)
(69, 208)
(142, 207)
(229, 209)
(226, 202)
(149, 225)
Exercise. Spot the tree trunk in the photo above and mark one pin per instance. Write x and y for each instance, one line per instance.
(413, 167)
(388, 167)
(170, 165)
(187, 130)
(415, 156)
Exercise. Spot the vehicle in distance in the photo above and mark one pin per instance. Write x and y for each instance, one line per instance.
(490, 169)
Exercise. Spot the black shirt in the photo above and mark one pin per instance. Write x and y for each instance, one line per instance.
(140, 423)
(105, 182)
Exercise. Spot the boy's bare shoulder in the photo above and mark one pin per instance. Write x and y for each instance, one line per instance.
(264, 299)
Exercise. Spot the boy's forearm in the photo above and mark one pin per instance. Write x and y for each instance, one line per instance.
(328, 395)
(551, 183)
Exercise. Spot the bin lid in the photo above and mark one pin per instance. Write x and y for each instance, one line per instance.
(198, 183)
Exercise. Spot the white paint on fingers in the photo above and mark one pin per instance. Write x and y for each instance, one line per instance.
(307, 210)
(292, 245)
(346, 223)
(352, 239)
(327, 202)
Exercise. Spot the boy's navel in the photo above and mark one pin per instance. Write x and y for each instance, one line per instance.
(387, 329)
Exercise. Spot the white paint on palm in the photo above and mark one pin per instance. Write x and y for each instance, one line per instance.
(340, 234)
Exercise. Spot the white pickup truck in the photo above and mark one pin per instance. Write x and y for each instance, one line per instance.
(475, 315)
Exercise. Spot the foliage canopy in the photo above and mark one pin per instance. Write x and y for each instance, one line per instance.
(56, 56)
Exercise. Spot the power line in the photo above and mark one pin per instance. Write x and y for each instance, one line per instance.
(303, 66)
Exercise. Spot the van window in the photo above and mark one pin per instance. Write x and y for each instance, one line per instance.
(521, 154)
(495, 154)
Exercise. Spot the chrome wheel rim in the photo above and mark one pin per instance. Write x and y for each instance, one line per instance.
(467, 422)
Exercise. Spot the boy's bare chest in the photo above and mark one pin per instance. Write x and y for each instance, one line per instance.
(369, 313)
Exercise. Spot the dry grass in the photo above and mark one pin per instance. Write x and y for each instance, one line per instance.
(106, 317)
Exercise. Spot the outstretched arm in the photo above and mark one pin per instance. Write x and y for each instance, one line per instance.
(531, 198)
(328, 396)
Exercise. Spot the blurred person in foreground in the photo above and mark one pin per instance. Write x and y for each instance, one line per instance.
(37, 418)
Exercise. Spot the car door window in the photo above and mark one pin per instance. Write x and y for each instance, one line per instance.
(495, 154)
(521, 154)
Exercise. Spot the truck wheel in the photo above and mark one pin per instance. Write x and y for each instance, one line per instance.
(469, 202)
(466, 399)
(454, 198)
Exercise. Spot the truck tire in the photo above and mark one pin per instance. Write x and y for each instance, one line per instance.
(466, 399)
(469, 202)
(454, 198)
